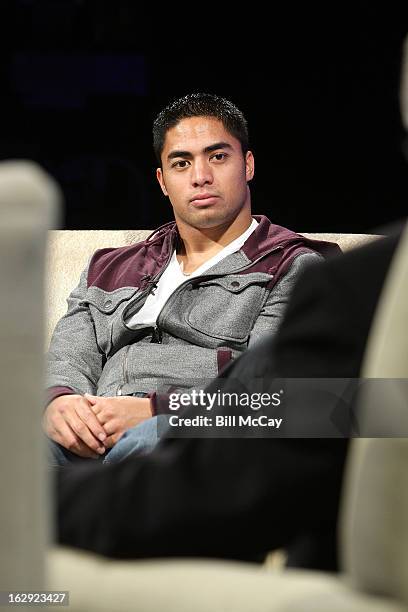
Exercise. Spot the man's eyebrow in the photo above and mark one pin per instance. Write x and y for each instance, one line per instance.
(176, 153)
(217, 145)
(188, 154)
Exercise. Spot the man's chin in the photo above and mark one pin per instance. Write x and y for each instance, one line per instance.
(208, 219)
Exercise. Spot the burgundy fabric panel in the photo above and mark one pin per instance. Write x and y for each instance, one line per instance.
(131, 266)
(224, 356)
(159, 403)
(268, 234)
(53, 392)
(288, 245)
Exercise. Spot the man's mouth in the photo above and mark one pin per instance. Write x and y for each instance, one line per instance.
(203, 199)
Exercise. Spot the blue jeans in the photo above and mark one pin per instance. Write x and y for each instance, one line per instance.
(138, 440)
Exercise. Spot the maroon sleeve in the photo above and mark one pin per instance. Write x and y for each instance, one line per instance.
(54, 392)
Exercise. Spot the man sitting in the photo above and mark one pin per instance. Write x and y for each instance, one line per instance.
(171, 311)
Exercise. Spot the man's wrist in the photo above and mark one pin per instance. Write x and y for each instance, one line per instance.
(53, 392)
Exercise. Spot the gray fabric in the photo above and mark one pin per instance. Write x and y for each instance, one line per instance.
(195, 321)
(28, 205)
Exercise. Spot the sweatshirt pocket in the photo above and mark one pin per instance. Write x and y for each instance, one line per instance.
(226, 308)
(105, 307)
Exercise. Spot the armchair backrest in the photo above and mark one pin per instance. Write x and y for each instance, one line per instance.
(70, 250)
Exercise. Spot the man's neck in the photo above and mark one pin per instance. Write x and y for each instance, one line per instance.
(199, 245)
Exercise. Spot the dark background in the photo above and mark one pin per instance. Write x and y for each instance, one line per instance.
(82, 81)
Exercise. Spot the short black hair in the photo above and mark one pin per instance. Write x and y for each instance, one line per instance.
(200, 105)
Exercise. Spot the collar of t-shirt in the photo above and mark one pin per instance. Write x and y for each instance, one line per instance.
(173, 277)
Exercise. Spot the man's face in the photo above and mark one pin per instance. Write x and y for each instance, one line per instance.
(204, 173)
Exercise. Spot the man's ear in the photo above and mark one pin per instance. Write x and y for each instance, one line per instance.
(249, 166)
(159, 176)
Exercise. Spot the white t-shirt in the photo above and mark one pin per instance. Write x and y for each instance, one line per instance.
(173, 277)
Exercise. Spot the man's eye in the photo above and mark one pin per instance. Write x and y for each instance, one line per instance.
(219, 156)
(182, 163)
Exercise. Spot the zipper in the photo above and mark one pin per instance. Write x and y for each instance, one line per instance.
(145, 293)
(157, 338)
(157, 335)
(157, 332)
(124, 371)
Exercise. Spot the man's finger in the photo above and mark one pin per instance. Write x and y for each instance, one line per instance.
(111, 440)
(69, 440)
(83, 432)
(111, 426)
(87, 415)
(100, 415)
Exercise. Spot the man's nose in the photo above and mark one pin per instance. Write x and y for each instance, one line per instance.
(202, 174)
